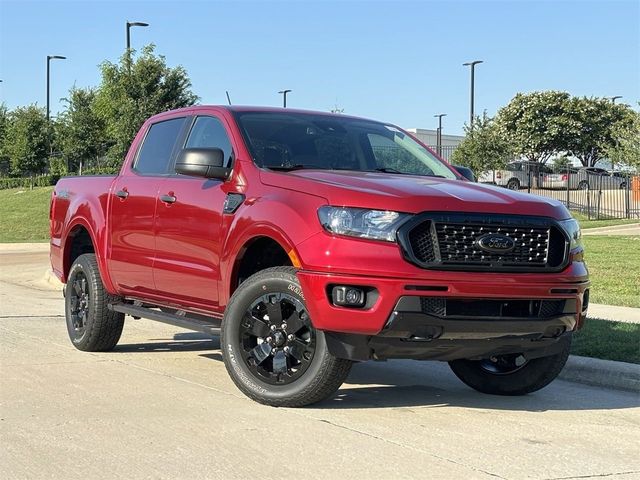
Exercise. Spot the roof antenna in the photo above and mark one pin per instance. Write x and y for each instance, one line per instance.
(228, 97)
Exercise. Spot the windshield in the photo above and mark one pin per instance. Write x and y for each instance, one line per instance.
(289, 141)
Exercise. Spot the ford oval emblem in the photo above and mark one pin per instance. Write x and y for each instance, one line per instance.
(496, 243)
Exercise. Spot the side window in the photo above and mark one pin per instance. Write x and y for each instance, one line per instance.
(155, 155)
(208, 132)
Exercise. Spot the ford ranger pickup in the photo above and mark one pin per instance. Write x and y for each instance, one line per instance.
(309, 241)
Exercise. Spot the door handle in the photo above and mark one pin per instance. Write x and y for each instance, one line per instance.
(168, 198)
(122, 194)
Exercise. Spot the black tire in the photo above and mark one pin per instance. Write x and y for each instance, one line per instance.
(91, 325)
(583, 185)
(513, 184)
(311, 373)
(531, 376)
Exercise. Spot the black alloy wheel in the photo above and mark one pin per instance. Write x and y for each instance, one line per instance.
(277, 341)
(79, 298)
(503, 364)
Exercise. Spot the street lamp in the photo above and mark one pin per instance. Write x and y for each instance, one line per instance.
(439, 133)
(284, 97)
(614, 98)
(473, 69)
(133, 24)
(49, 58)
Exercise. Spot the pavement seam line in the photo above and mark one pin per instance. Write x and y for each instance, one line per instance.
(596, 475)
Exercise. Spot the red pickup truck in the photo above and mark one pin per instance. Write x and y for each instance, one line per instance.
(309, 241)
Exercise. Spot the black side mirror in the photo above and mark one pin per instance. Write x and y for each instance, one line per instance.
(465, 172)
(202, 162)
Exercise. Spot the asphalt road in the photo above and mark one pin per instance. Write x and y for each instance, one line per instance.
(161, 406)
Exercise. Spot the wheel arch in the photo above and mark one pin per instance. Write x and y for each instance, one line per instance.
(79, 239)
(263, 247)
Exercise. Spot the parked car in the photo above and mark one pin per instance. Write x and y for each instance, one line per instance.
(309, 241)
(516, 175)
(584, 179)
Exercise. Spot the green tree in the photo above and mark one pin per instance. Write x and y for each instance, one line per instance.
(27, 140)
(594, 123)
(625, 147)
(484, 148)
(537, 124)
(133, 90)
(81, 131)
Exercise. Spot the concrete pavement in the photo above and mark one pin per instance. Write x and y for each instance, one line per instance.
(162, 406)
(629, 229)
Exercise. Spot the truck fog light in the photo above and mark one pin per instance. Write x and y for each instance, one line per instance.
(345, 296)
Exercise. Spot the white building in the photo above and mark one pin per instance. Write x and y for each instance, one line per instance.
(429, 137)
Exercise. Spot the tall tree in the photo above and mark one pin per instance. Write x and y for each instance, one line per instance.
(594, 122)
(133, 90)
(82, 132)
(484, 148)
(27, 140)
(625, 147)
(537, 124)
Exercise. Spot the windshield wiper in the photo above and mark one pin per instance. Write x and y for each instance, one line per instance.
(287, 168)
(387, 170)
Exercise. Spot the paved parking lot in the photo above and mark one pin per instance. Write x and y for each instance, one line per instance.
(161, 406)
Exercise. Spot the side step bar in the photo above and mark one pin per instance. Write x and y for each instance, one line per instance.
(182, 320)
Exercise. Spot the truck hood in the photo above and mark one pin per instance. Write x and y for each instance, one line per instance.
(412, 194)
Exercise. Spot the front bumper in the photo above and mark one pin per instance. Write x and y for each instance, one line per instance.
(397, 325)
(316, 288)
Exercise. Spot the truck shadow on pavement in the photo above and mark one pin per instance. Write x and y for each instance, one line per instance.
(407, 383)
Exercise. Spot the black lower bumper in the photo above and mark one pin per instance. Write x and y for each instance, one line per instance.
(411, 333)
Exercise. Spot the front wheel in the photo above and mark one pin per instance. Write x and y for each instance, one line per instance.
(270, 348)
(511, 374)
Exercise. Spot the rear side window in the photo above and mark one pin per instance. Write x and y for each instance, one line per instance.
(208, 132)
(155, 155)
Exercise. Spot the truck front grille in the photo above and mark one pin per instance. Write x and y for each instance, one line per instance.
(451, 241)
(478, 308)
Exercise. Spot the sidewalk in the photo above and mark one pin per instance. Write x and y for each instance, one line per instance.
(614, 313)
(630, 229)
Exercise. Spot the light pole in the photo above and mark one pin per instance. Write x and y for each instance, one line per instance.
(49, 58)
(284, 97)
(133, 24)
(439, 133)
(614, 98)
(473, 70)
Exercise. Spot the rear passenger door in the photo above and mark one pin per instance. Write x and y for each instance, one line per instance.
(188, 227)
(133, 208)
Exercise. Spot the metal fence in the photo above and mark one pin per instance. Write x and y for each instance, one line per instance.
(596, 193)
(446, 151)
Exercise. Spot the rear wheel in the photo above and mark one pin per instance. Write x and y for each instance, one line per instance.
(511, 374)
(92, 327)
(513, 184)
(583, 185)
(270, 347)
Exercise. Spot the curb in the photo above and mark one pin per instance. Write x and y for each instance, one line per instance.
(602, 373)
(51, 279)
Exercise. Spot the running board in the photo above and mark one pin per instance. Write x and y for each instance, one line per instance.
(182, 320)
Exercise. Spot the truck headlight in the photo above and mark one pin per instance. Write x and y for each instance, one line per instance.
(362, 223)
(572, 227)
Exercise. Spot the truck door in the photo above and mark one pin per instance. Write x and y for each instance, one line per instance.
(188, 226)
(133, 208)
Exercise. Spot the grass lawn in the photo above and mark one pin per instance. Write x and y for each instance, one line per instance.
(608, 340)
(614, 268)
(586, 223)
(24, 215)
